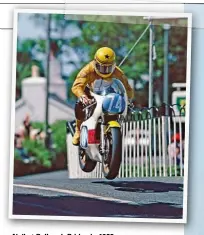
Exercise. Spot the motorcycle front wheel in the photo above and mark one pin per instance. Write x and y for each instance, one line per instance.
(86, 164)
(113, 153)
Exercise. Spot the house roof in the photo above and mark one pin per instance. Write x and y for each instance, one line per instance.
(61, 101)
(61, 104)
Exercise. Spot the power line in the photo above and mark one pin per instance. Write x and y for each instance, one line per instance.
(134, 45)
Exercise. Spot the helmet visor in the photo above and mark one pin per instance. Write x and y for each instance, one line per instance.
(105, 68)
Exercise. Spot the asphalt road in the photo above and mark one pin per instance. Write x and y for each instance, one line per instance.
(55, 194)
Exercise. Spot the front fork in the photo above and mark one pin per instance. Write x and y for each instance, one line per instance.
(104, 129)
(102, 136)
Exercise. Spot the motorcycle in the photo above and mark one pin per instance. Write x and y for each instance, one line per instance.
(100, 131)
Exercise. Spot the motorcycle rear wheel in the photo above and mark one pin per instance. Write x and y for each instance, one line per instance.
(112, 158)
(86, 164)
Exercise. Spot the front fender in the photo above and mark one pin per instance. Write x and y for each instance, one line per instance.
(112, 124)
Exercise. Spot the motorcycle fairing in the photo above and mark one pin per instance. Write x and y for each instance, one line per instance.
(91, 123)
(112, 124)
(92, 137)
(113, 104)
(84, 137)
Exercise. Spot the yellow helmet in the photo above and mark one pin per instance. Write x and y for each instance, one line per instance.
(104, 62)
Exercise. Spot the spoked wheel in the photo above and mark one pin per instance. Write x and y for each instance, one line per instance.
(86, 164)
(113, 151)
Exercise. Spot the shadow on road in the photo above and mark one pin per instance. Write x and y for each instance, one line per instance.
(143, 186)
(24, 204)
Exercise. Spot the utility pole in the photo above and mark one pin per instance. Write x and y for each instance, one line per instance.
(166, 28)
(150, 65)
(47, 140)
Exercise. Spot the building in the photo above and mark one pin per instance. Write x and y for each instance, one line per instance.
(33, 100)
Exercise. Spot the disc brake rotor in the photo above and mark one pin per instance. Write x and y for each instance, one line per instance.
(108, 150)
(82, 155)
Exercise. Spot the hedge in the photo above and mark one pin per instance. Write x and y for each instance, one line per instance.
(37, 149)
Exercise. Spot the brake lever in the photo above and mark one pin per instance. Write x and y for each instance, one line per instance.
(131, 107)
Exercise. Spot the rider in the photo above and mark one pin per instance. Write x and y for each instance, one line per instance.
(103, 66)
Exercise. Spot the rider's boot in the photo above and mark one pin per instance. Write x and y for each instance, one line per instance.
(76, 137)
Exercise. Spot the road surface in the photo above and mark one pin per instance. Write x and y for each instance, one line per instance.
(55, 194)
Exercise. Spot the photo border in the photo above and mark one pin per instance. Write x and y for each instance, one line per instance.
(187, 120)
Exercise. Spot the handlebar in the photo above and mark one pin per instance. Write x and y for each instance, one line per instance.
(131, 107)
(88, 106)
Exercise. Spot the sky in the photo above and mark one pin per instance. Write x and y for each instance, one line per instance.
(27, 29)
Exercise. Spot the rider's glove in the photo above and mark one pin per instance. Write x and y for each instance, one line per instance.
(131, 106)
(85, 100)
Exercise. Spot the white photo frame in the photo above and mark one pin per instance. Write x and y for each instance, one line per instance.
(187, 120)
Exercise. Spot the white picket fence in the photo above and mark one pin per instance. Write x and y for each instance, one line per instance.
(74, 170)
(148, 150)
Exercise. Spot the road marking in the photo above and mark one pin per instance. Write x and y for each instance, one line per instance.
(75, 193)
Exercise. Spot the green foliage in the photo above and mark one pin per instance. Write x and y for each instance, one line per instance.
(59, 136)
(36, 148)
(97, 31)
(17, 155)
(25, 62)
(38, 125)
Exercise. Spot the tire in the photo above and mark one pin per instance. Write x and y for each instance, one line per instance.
(86, 164)
(111, 162)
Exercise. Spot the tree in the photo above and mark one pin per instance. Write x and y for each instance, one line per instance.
(25, 60)
(97, 31)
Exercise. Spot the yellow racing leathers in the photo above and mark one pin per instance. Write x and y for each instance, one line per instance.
(86, 77)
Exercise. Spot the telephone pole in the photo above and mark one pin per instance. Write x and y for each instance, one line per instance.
(47, 138)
